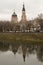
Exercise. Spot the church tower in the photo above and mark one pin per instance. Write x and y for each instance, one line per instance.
(14, 18)
(23, 18)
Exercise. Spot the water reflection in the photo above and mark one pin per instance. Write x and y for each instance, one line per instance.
(24, 49)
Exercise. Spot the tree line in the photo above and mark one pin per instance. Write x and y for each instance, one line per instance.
(9, 26)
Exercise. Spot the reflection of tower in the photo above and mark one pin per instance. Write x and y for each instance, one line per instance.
(14, 18)
(24, 57)
(15, 48)
(24, 50)
(23, 19)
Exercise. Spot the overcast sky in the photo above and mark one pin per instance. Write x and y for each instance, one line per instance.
(33, 8)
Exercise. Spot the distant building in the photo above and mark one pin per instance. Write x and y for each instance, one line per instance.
(23, 21)
(23, 18)
(14, 18)
(24, 25)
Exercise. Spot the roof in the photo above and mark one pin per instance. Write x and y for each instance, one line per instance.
(14, 14)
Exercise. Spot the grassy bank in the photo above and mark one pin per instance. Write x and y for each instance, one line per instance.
(22, 37)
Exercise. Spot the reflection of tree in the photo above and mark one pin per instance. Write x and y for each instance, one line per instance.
(40, 53)
(31, 48)
(4, 46)
(24, 48)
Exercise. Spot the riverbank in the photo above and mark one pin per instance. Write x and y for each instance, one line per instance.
(22, 37)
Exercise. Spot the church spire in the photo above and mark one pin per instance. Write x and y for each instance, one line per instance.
(23, 18)
(23, 7)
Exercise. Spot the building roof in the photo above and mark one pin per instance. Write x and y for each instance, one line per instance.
(14, 14)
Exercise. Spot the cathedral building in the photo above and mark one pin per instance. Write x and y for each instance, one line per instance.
(14, 18)
(23, 25)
